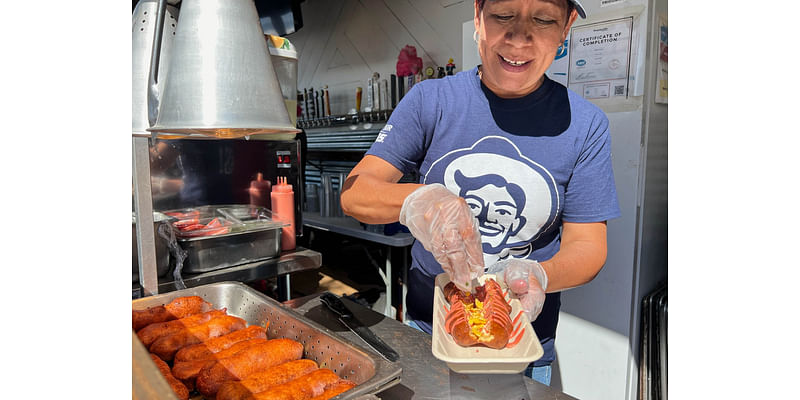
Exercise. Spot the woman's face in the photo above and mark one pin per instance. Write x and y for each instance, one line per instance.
(518, 42)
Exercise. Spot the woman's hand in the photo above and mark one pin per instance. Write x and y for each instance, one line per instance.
(446, 227)
(527, 279)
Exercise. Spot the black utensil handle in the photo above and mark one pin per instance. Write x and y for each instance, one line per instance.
(335, 304)
(379, 345)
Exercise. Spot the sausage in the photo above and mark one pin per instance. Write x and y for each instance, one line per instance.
(493, 288)
(303, 388)
(484, 322)
(152, 332)
(241, 365)
(451, 290)
(457, 325)
(166, 346)
(188, 370)
(180, 390)
(341, 386)
(205, 350)
(179, 307)
(495, 306)
(266, 379)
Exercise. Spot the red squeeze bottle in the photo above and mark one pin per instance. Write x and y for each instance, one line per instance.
(283, 211)
(259, 189)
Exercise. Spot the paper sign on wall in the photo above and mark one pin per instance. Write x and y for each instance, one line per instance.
(599, 58)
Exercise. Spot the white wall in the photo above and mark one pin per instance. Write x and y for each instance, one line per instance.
(343, 42)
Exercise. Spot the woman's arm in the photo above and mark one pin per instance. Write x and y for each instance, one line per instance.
(437, 218)
(582, 255)
(371, 193)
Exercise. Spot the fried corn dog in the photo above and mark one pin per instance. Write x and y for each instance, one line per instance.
(206, 350)
(166, 346)
(339, 387)
(180, 390)
(240, 366)
(179, 307)
(303, 388)
(188, 370)
(266, 379)
(152, 332)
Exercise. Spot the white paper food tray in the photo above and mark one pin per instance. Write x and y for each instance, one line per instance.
(481, 359)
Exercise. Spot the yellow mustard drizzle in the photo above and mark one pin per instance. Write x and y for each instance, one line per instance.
(475, 318)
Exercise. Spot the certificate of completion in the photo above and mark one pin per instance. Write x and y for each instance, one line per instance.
(599, 57)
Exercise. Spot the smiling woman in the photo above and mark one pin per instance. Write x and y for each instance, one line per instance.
(515, 171)
(518, 40)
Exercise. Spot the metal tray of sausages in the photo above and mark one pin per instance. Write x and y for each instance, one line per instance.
(370, 372)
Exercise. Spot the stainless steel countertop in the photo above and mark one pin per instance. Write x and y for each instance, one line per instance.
(424, 376)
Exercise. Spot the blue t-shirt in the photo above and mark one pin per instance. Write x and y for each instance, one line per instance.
(523, 165)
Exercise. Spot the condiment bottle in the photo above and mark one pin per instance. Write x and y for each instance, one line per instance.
(327, 96)
(368, 107)
(283, 211)
(259, 191)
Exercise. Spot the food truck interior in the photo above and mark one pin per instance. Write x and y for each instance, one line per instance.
(336, 63)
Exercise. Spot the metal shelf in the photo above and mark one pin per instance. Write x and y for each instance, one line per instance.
(300, 259)
(351, 227)
(343, 138)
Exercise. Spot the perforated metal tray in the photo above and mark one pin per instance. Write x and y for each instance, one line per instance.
(370, 372)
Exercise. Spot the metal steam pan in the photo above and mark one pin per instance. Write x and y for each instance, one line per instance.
(370, 372)
(244, 233)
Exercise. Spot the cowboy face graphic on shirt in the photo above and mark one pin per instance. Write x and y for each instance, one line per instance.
(513, 198)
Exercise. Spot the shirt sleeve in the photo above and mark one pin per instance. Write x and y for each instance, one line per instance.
(590, 194)
(402, 141)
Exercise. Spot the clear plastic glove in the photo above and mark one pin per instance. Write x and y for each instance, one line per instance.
(445, 225)
(526, 279)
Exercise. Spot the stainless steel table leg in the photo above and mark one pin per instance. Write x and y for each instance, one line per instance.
(388, 281)
(405, 267)
(145, 235)
(284, 288)
(386, 277)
